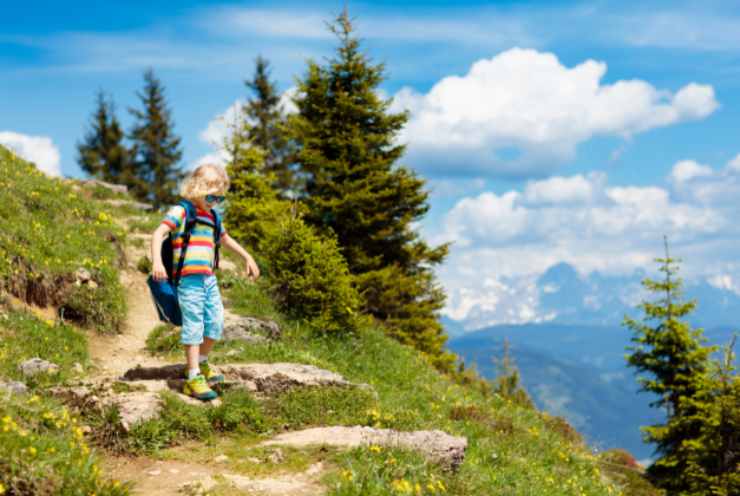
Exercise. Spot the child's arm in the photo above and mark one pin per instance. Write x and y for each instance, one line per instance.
(158, 271)
(253, 272)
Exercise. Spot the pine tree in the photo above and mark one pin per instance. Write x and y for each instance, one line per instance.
(508, 383)
(713, 457)
(102, 153)
(346, 148)
(265, 125)
(156, 148)
(674, 365)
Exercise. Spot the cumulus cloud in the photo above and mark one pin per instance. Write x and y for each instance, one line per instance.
(502, 242)
(523, 113)
(220, 128)
(37, 149)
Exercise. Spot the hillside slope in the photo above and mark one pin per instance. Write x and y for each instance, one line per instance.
(224, 447)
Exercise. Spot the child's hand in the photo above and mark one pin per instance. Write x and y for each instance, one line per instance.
(158, 272)
(253, 272)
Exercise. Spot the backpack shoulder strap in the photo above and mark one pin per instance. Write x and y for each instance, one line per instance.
(216, 237)
(190, 219)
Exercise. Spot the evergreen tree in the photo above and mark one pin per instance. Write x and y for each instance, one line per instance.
(265, 125)
(345, 138)
(102, 153)
(674, 364)
(713, 457)
(156, 148)
(508, 382)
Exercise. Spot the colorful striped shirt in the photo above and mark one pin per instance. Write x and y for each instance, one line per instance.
(200, 253)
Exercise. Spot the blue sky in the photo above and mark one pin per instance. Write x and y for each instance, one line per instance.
(566, 99)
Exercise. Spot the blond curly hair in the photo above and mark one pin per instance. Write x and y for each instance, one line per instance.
(206, 179)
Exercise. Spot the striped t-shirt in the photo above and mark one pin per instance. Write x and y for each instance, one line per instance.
(200, 253)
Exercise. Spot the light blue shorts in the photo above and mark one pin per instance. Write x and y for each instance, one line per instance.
(201, 307)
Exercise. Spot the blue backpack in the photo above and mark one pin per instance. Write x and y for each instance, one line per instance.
(164, 293)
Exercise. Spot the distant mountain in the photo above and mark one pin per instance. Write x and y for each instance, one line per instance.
(575, 371)
(604, 300)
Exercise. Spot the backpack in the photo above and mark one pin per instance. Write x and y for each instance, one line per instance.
(164, 293)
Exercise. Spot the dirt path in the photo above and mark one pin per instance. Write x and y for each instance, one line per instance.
(113, 355)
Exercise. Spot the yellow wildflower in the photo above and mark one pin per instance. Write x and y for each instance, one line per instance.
(401, 486)
(375, 448)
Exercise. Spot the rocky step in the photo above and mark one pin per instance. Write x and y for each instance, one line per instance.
(435, 445)
(266, 378)
(137, 397)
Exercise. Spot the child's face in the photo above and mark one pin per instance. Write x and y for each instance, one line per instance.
(210, 201)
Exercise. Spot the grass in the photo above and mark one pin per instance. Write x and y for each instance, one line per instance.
(42, 445)
(43, 452)
(66, 232)
(23, 336)
(513, 449)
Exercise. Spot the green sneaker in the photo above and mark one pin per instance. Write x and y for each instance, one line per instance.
(211, 377)
(197, 387)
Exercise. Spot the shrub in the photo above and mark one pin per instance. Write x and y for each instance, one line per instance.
(310, 280)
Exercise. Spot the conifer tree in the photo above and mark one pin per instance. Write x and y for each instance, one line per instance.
(156, 148)
(713, 457)
(674, 364)
(345, 138)
(265, 125)
(102, 154)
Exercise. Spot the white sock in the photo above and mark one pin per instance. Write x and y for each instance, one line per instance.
(202, 358)
(193, 372)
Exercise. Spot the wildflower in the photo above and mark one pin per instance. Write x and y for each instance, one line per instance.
(417, 489)
(32, 451)
(375, 448)
(401, 486)
(347, 475)
(2, 488)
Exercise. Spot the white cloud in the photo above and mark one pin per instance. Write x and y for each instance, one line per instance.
(523, 113)
(502, 242)
(37, 149)
(220, 128)
(686, 170)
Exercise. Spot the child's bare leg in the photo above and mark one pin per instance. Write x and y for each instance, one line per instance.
(191, 354)
(206, 345)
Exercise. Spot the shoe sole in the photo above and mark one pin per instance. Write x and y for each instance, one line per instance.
(193, 395)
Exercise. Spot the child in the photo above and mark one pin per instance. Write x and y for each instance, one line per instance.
(197, 292)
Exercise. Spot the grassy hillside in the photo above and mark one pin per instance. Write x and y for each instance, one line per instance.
(512, 450)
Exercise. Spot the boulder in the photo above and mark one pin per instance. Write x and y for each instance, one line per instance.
(13, 387)
(35, 366)
(259, 377)
(436, 446)
(136, 407)
(129, 203)
(116, 188)
(277, 377)
(249, 329)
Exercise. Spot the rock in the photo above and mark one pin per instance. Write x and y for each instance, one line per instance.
(254, 460)
(35, 366)
(276, 456)
(79, 396)
(134, 408)
(277, 377)
(82, 276)
(199, 487)
(221, 459)
(154, 473)
(77, 368)
(129, 203)
(259, 377)
(437, 446)
(249, 329)
(13, 387)
(116, 188)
